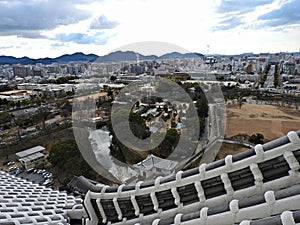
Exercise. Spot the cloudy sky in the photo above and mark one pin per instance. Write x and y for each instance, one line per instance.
(49, 28)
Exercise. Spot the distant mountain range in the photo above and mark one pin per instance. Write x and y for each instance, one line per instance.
(81, 57)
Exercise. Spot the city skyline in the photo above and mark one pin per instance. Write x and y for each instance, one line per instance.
(113, 56)
(39, 29)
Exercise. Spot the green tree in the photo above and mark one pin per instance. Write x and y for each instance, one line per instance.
(202, 107)
(66, 109)
(11, 104)
(37, 101)
(168, 144)
(136, 123)
(3, 101)
(257, 138)
(5, 117)
(138, 128)
(67, 161)
(61, 103)
(18, 104)
(66, 79)
(113, 78)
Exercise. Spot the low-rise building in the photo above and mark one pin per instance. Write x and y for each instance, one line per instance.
(33, 157)
(15, 95)
(153, 166)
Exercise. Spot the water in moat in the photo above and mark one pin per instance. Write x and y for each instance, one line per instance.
(101, 140)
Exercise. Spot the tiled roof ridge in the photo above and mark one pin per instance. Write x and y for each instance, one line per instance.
(23, 202)
(255, 207)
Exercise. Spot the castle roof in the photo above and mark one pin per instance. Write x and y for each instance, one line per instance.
(259, 186)
(23, 202)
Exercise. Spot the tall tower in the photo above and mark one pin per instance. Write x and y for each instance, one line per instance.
(137, 59)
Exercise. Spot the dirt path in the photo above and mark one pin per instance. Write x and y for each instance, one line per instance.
(276, 128)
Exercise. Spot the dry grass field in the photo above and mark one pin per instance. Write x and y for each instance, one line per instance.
(272, 121)
(230, 149)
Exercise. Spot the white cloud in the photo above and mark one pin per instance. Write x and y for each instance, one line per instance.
(102, 23)
(190, 24)
(286, 15)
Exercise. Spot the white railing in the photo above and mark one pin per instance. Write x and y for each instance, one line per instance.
(222, 171)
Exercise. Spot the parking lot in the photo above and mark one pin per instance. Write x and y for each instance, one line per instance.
(41, 177)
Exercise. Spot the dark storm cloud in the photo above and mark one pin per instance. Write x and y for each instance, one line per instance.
(286, 15)
(29, 18)
(102, 23)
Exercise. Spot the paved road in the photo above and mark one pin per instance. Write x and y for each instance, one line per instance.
(217, 117)
(269, 83)
(217, 123)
